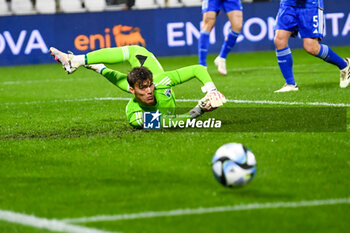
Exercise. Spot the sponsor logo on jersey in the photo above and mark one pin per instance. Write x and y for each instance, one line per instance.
(167, 93)
(122, 35)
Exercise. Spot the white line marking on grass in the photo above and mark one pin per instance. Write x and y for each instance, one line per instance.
(67, 101)
(276, 102)
(41, 81)
(289, 103)
(253, 68)
(201, 210)
(43, 223)
(271, 102)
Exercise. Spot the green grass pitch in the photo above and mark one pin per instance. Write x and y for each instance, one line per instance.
(66, 155)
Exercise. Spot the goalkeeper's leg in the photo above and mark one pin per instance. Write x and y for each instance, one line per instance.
(136, 56)
(108, 56)
(115, 77)
(71, 62)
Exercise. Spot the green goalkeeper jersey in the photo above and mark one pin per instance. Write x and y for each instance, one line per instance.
(165, 102)
(163, 93)
(163, 81)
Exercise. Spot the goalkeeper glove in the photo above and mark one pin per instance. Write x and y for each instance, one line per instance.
(204, 105)
(212, 100)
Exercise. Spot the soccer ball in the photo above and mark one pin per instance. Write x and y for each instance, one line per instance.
(234, 165)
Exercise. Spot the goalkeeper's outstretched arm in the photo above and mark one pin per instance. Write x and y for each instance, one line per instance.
(212, 99)
(187, 73)
(196, 71)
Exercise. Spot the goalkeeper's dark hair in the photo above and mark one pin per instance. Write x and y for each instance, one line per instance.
(139, 75)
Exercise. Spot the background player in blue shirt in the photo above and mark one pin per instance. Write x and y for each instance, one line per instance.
(305, 17)
(210, 9)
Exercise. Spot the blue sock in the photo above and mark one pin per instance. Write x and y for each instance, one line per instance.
(329, 56)
(229, 43)
(203, 47)
(285, 62)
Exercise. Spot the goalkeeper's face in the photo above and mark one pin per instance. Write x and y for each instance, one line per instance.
(144, 92)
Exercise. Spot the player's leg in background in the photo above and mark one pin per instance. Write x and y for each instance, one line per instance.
(325, 53)
(209, 19)
(312, 33)
(313, 47)
(284, 58)
(286, 26)
(236, 20)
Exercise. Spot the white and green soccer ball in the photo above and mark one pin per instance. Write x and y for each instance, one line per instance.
(234, 165)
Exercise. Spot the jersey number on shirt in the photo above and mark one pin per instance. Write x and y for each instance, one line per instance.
(315, 19)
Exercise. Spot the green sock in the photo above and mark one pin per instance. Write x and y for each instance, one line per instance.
(117, 78)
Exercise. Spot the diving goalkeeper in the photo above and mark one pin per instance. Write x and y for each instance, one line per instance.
(147, 81)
